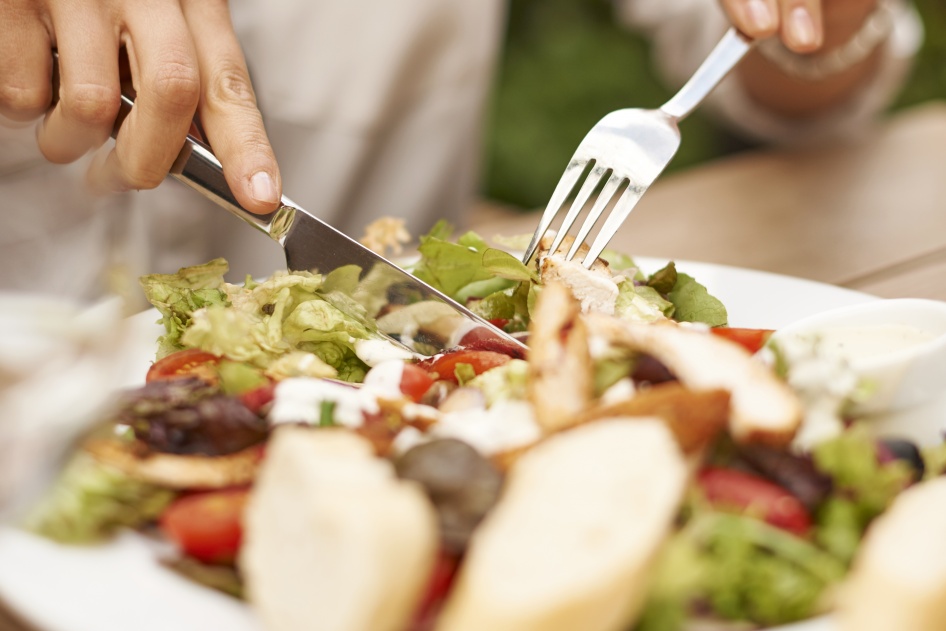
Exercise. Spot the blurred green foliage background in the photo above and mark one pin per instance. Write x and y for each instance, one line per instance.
(566, 63)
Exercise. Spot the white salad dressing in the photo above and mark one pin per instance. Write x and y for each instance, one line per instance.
(299, 400)
(504, 426)
(374, 352)
(858, 344)
(879, 360)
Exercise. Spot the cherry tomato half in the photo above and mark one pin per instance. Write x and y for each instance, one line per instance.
(415, 382)
(750, 494)
(190, 362)
(751, 339)
(207, 526)
(445, 365)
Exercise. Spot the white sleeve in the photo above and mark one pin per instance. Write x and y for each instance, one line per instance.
(684, 31)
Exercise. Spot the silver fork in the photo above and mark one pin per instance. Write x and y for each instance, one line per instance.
(632, 146)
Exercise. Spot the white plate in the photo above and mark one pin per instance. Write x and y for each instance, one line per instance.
(121, 586)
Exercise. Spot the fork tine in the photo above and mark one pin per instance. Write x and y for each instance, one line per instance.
(591, 182)
(604, 198)
(622, 209)
(565, 185)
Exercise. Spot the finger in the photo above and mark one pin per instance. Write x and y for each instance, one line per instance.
(164, 73)
(228, 110)
(89, 92)
(25, 91)
(802, 30)
(756, 18)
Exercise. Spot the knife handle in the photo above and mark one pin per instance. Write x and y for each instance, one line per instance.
(197, 167)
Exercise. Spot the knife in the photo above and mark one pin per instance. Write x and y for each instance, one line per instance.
(416, 315)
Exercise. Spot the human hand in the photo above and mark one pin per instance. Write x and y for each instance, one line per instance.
(182, 57)
(804, 26)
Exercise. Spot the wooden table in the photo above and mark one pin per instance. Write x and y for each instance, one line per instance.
(869, 215)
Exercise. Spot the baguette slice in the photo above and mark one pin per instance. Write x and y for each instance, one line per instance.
(898, 581)
(333, 540)
(572, 540)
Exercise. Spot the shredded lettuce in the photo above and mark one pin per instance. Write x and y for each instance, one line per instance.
(744, 569)
(178, 296)
(864, 488)
(260, 322)
(91, 501)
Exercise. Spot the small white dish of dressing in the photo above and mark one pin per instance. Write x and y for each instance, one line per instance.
(897, 349)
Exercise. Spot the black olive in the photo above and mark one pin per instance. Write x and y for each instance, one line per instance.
(461, 483)
(890, 449)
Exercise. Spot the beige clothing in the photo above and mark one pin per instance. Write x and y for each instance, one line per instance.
(373, 107)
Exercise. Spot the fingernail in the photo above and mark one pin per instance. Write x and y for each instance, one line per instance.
(263, 189)
(802, 27)
(759, 15)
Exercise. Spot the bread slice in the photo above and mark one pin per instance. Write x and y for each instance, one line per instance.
(898, 581)
(572, 540)
(333, 541)
(763, 407)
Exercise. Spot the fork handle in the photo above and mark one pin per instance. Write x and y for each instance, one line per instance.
(728, 52)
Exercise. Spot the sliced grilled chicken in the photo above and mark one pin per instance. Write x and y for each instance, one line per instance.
(694, 417)
(333, 541)
(560, 371)
(575, 534)
(763, 408)
(595, 288)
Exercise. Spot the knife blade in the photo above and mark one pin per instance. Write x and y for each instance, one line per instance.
(415, 314)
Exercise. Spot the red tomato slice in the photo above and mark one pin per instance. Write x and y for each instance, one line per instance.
(750, 494)
(207, 526)
(415, 382)
(439, 583)
(190, 362)
(750, 339)
(481, 361)
(255, 399)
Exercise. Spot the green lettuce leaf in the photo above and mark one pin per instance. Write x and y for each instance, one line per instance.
(178, 296)
(640, 303)
(452, 267)
(692, 303)
(260, 322)
(91, 501)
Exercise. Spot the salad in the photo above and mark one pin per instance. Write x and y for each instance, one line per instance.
(635, 471)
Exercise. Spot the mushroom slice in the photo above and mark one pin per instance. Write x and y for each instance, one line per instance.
(560, 371)
(177, 471)
(694, 417)
(763, 408)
